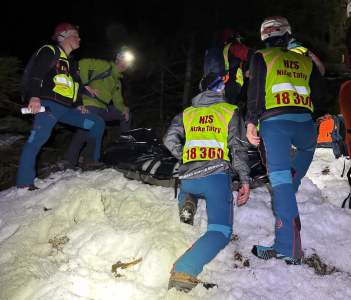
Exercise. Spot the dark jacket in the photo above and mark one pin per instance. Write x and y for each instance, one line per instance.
(41, 83)
(237, 143)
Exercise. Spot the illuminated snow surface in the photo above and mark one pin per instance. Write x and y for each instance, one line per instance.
(61, 241)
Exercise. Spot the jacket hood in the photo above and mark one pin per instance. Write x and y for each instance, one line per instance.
(208, 98)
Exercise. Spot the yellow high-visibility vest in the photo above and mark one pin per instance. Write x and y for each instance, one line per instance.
(239, 73)
(206, 132)
(287, 81)
(64, 83)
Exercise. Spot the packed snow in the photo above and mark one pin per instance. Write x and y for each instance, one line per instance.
(61, 241)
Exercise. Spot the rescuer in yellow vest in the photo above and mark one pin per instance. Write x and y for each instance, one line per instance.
(53, 85)
(236, 56)
(285, 89)
(209, 140)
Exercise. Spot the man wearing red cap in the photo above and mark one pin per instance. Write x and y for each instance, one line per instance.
(237, 54)
(55, 87)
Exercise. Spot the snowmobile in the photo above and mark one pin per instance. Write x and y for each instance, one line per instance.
(138, 154)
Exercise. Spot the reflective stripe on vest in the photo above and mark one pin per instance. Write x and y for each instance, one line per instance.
(225, 56)
(64, 83)
(206, 132)
(288, 75)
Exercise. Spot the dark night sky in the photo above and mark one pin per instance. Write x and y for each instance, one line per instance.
(28, 25)
(31, 24)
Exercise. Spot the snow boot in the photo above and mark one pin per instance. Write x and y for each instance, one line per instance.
(182, 281)
(268, 253)
(187, 210)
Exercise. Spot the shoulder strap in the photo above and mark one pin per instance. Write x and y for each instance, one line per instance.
(56, 57)
(102, 75)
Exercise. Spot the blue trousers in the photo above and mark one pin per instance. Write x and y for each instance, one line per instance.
(285, 173)
(42, 126)
(81, 136)
(219, 205)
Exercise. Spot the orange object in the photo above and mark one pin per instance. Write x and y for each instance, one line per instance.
(325, 129)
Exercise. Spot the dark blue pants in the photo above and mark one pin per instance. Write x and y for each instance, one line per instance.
(278, 134)
(81, 136)
(219, 205)
(42, 126)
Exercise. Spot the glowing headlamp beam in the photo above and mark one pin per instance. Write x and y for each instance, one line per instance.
(127, 56)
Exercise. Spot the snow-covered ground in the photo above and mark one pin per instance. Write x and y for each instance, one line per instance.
(61, 241)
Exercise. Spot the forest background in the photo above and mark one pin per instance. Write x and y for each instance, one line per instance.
(168, 39)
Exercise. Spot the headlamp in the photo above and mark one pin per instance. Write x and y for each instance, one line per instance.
(127, 56)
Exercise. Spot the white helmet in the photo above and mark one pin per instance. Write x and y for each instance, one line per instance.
(348, 8)
(274, 26)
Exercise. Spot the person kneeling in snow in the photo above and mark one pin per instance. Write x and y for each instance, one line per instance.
(204, 138)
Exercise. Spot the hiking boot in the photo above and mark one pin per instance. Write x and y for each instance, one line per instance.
(187, 210)
(182, 281)
(93, 167)
(30, 187)
(268, 253)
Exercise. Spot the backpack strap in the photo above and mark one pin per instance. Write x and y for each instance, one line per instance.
(102, 75)
(56, 57)
(176, 183)
(335, 134)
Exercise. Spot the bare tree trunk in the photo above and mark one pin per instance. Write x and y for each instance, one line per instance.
(188, 72)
